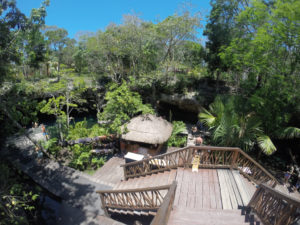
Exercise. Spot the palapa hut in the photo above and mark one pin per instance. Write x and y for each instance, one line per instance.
(145, 134)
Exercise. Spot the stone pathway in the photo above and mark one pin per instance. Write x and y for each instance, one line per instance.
(80, 202)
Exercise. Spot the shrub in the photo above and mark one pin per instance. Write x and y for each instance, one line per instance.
(176, 140)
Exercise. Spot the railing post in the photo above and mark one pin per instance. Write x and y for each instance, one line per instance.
(234, 159)
(103, 205)
(255, 196)
(125, 175)
(189, 154)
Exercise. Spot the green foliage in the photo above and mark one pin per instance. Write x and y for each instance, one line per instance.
(232, 128)
(20, 36)
(177, 140)
(267, 45)
(266, 144)
(122, 104)
(18, 100)
(220, 30)
(54, 106)
(18, 198)
(83, 159)
(81, 130)
(97, 162)
(51, 146)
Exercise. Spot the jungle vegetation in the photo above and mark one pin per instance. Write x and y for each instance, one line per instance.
(251, 56)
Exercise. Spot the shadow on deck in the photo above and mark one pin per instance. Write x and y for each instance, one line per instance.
(79, 202)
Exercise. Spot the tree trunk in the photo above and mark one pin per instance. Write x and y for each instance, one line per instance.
(60, 132)
(47, 69)
(218, 81)
(153, 99)
(68, 110)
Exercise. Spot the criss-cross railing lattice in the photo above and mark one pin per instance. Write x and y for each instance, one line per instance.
(210, 157)
(274, 207)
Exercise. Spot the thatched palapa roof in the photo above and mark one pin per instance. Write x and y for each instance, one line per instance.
(148, 129)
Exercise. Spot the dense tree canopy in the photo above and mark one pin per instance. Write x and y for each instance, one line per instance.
(247, 76)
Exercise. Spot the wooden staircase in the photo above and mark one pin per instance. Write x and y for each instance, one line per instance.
(149, 181)
(216, 195)
(194, 216)
(153, 180)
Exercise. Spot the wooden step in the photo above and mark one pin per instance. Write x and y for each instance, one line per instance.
(153, 180)
(194, 216)
(132, 212)
(245, 192)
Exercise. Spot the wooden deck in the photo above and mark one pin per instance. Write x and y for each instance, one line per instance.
(212, 189)
(205, 189)
(111, 173)
(209, 196)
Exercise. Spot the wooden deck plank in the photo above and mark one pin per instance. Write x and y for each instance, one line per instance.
(111, 173)
(226, 204)
(242, 189)
(235, 189)
(179, 177)
(217, 190)
(212, 192)
(172, 176)
(233, 200)
(184, 189)
(206, 191)
(191, 193)
(192, 187)
(199, 190)
(191, 199)
(183, 197)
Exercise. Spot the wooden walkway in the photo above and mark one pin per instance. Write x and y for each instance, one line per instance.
(80, 202)
(111, 173)
(210, 196)
(212, 189)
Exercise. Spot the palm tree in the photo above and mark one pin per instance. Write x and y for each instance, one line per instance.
(241, 130)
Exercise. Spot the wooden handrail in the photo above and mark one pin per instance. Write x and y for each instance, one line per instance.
(165, 209)
(273, 181)
(274, 207)
(149, 198)
(181, 150)
(163, 187)
(211, 157)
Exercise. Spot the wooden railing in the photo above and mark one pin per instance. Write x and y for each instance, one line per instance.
(133, 199)
(165, 209)
(253, 170)
(210, 157)
(274, 207)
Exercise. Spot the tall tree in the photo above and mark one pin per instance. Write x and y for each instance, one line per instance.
(122, 104)
(57, 40)
(270, 44)
(20, 35)
(220, 30)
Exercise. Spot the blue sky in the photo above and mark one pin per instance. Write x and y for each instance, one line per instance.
(93, 15)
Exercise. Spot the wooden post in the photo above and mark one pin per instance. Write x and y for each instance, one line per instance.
(234, 158)
(125, 175)
(187, 159)
(103, 205)
(256, 194)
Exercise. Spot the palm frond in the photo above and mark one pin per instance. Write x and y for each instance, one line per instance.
(207, 118)
(178, 127)
(217, 107)
(288, 133)
(266, 144)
